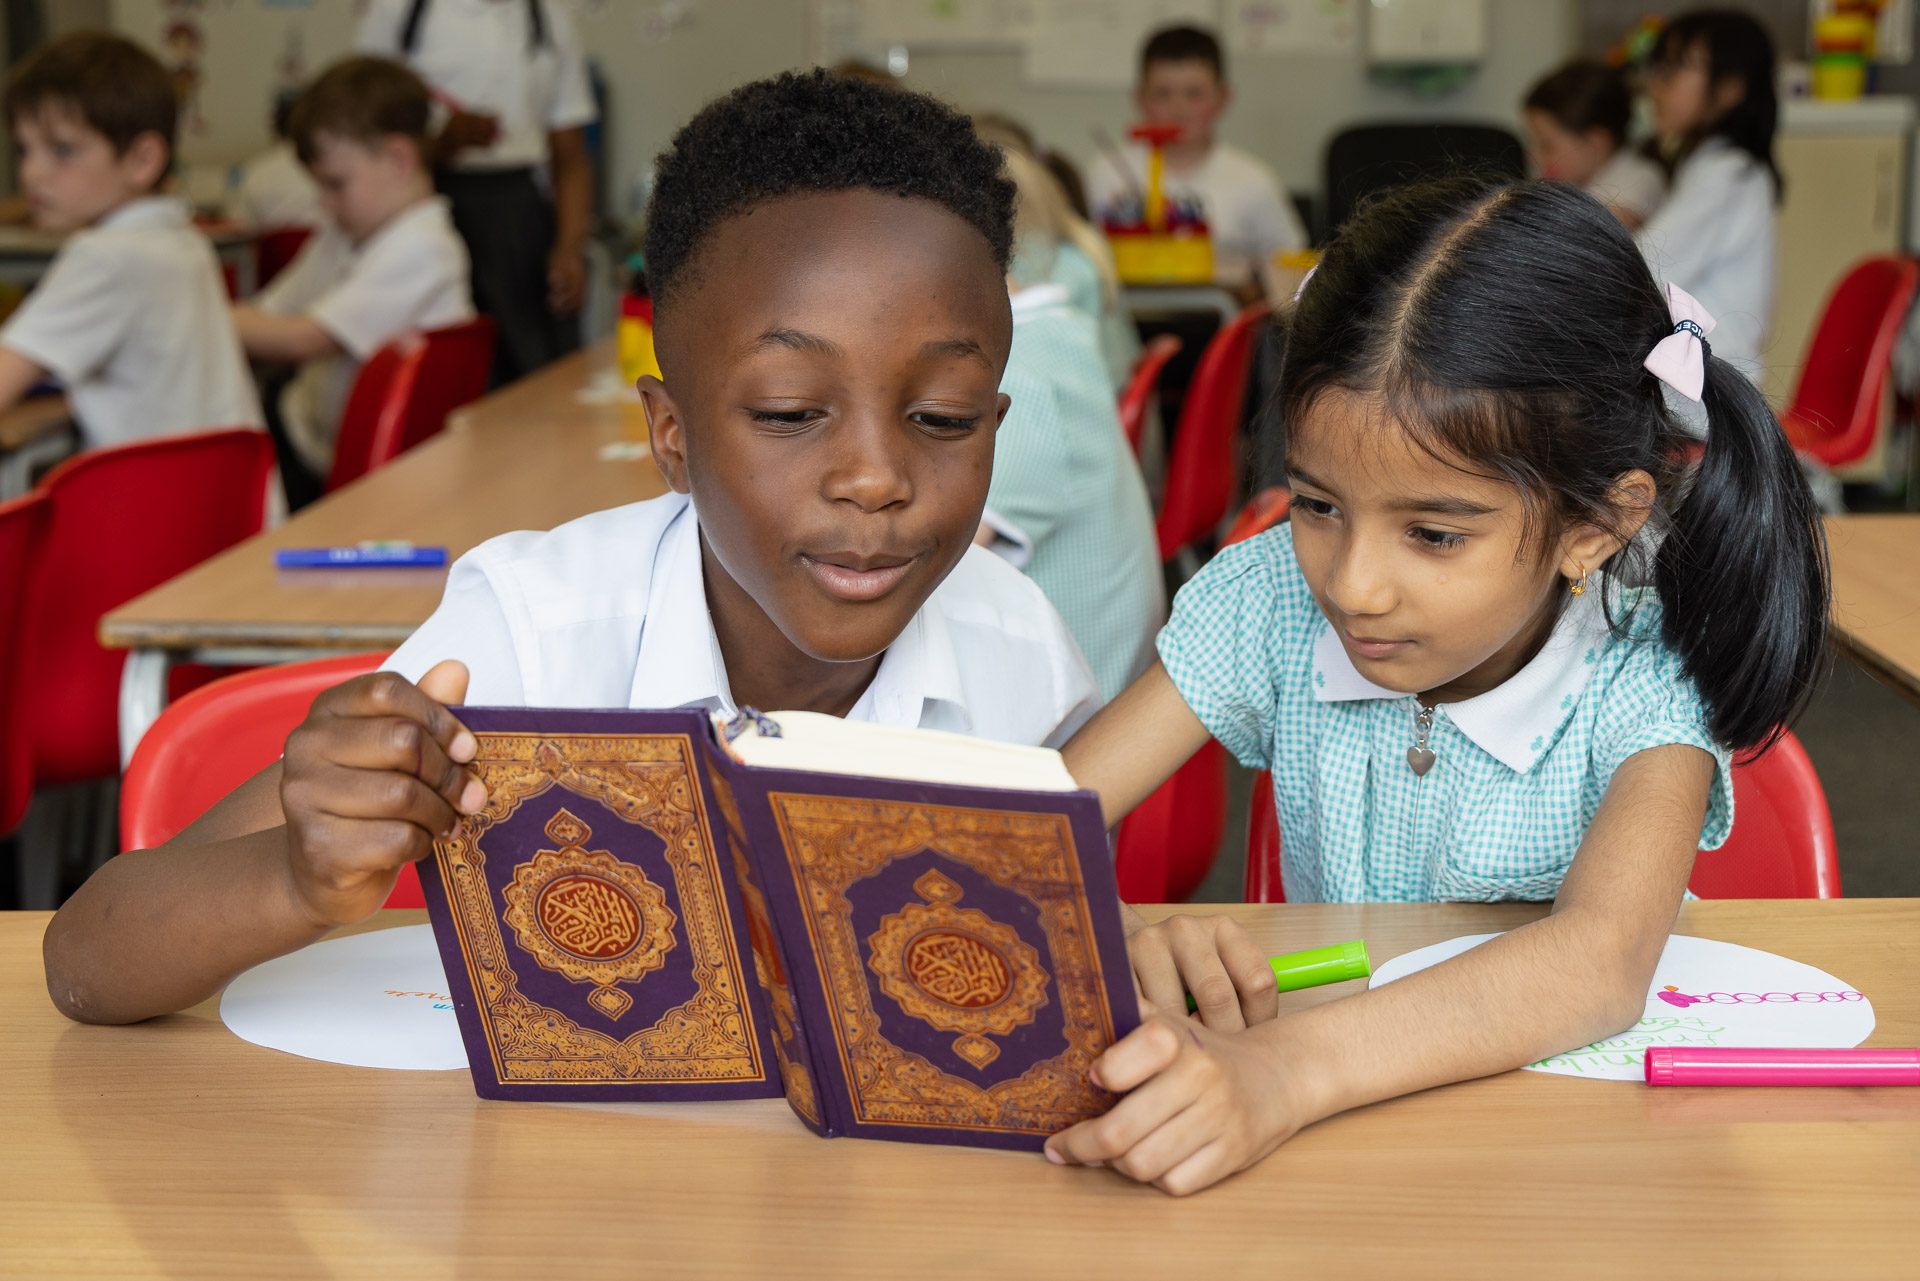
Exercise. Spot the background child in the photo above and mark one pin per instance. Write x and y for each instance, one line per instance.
(1711, 81)
(1577, 121)
(275, 190)
(512, 155)
(1443, 663)
(1183, 81)
(131, 316)
(829, 457)
(389, 263)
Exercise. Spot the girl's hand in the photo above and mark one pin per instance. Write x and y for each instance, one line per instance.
(370, 778)
(1200, 1105)
(1211, 957)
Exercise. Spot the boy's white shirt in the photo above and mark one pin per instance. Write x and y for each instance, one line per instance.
(1631, 182)
(276, 191)
(1714, 237)
(411, 274)
(480, 54)
(610, 610)
(1248, 214)
(132, 317)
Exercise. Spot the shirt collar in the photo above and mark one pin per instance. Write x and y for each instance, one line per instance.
(147, 211)
(1517, 721)
(1038, 298)
(680, 665)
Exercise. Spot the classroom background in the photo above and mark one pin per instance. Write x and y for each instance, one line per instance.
(1301, 72)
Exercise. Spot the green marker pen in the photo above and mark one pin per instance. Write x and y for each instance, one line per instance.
(1316, 968)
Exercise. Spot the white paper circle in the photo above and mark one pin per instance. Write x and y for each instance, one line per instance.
(1704, 992)
(377, 999)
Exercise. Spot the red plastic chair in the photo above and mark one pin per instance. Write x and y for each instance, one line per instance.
(1141, 384)
(1166, 846)
(1782, 842)
(404, 393)
(120, 522)
(217, 738)
(1781, 845)
(1835, 412)
(22, 525)
(274, 249)
(1204, 469)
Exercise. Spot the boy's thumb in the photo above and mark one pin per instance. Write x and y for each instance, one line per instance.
(446, 682)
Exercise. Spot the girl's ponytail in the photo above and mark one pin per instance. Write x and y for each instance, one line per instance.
(1742, 575)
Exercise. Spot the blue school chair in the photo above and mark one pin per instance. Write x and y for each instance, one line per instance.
(1138, 395)
(1835, 412)
(218, 737)
(22, 524)
(404, 393)
(120, 522)
(1781, 845)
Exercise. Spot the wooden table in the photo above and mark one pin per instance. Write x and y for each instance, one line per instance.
(531, 456)
(26, 252)
(1876, 595)
(174, 1148)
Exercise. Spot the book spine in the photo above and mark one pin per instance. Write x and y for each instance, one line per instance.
(777, 956)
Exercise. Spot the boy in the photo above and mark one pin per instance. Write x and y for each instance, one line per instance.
(389, 263)
(131, 316)
(1183, 81)
(275, 191)
(827, 259)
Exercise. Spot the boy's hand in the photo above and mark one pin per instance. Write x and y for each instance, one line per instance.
(1199, 1106)
(369, 779)
(1211, 957)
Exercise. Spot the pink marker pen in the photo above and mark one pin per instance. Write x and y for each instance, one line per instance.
(1735, 1065)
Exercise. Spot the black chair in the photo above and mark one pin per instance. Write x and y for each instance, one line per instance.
(1368, 159)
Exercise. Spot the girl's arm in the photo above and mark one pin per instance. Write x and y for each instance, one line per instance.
(1123, 753)
(1202, 1104)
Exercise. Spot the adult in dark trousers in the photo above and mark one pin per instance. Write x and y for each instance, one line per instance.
(510, 156)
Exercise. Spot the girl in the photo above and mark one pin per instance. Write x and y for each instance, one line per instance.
(1710, 80)
(1577, 122)
(1451, 667)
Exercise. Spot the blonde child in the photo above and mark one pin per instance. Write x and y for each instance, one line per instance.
(1449, 664)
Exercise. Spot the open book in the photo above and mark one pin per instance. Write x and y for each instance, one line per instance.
(911, 935)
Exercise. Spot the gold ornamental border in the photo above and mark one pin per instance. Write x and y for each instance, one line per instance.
(833, 842)
(650, 780)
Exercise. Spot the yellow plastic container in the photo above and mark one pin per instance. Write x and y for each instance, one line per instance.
(1147, 258)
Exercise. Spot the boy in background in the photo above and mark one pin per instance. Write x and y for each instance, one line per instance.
(131, 315)
(1183, 81)
(275, 190)
(390, 262)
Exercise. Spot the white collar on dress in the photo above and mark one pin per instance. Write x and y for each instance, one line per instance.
(680, 665)
(1035, 299)
(1517, 721)
(147, 211)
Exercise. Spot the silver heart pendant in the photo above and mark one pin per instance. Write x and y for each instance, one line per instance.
(1420, 760)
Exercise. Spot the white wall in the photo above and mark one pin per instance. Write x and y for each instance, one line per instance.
(1285, 109)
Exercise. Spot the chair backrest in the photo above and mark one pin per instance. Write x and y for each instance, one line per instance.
(274, 249)
(1166, 846)
(22, 523)
(404, 393)
(1204, 468)
(120, 522)
(1835, 411)
(1142, 383)
(1782, 842)
(1781, 845)
(218, 737)
(1368, 159)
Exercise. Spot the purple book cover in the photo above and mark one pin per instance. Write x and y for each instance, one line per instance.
(902, 960)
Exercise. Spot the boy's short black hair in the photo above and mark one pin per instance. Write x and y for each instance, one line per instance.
(813, 131)
(1184, 44)
(361, 99)
(1585, 95)
(119, 89)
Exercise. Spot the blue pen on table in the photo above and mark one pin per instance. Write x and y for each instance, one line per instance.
(390, 554)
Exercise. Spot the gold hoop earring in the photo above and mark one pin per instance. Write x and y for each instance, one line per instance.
(1579, 585)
